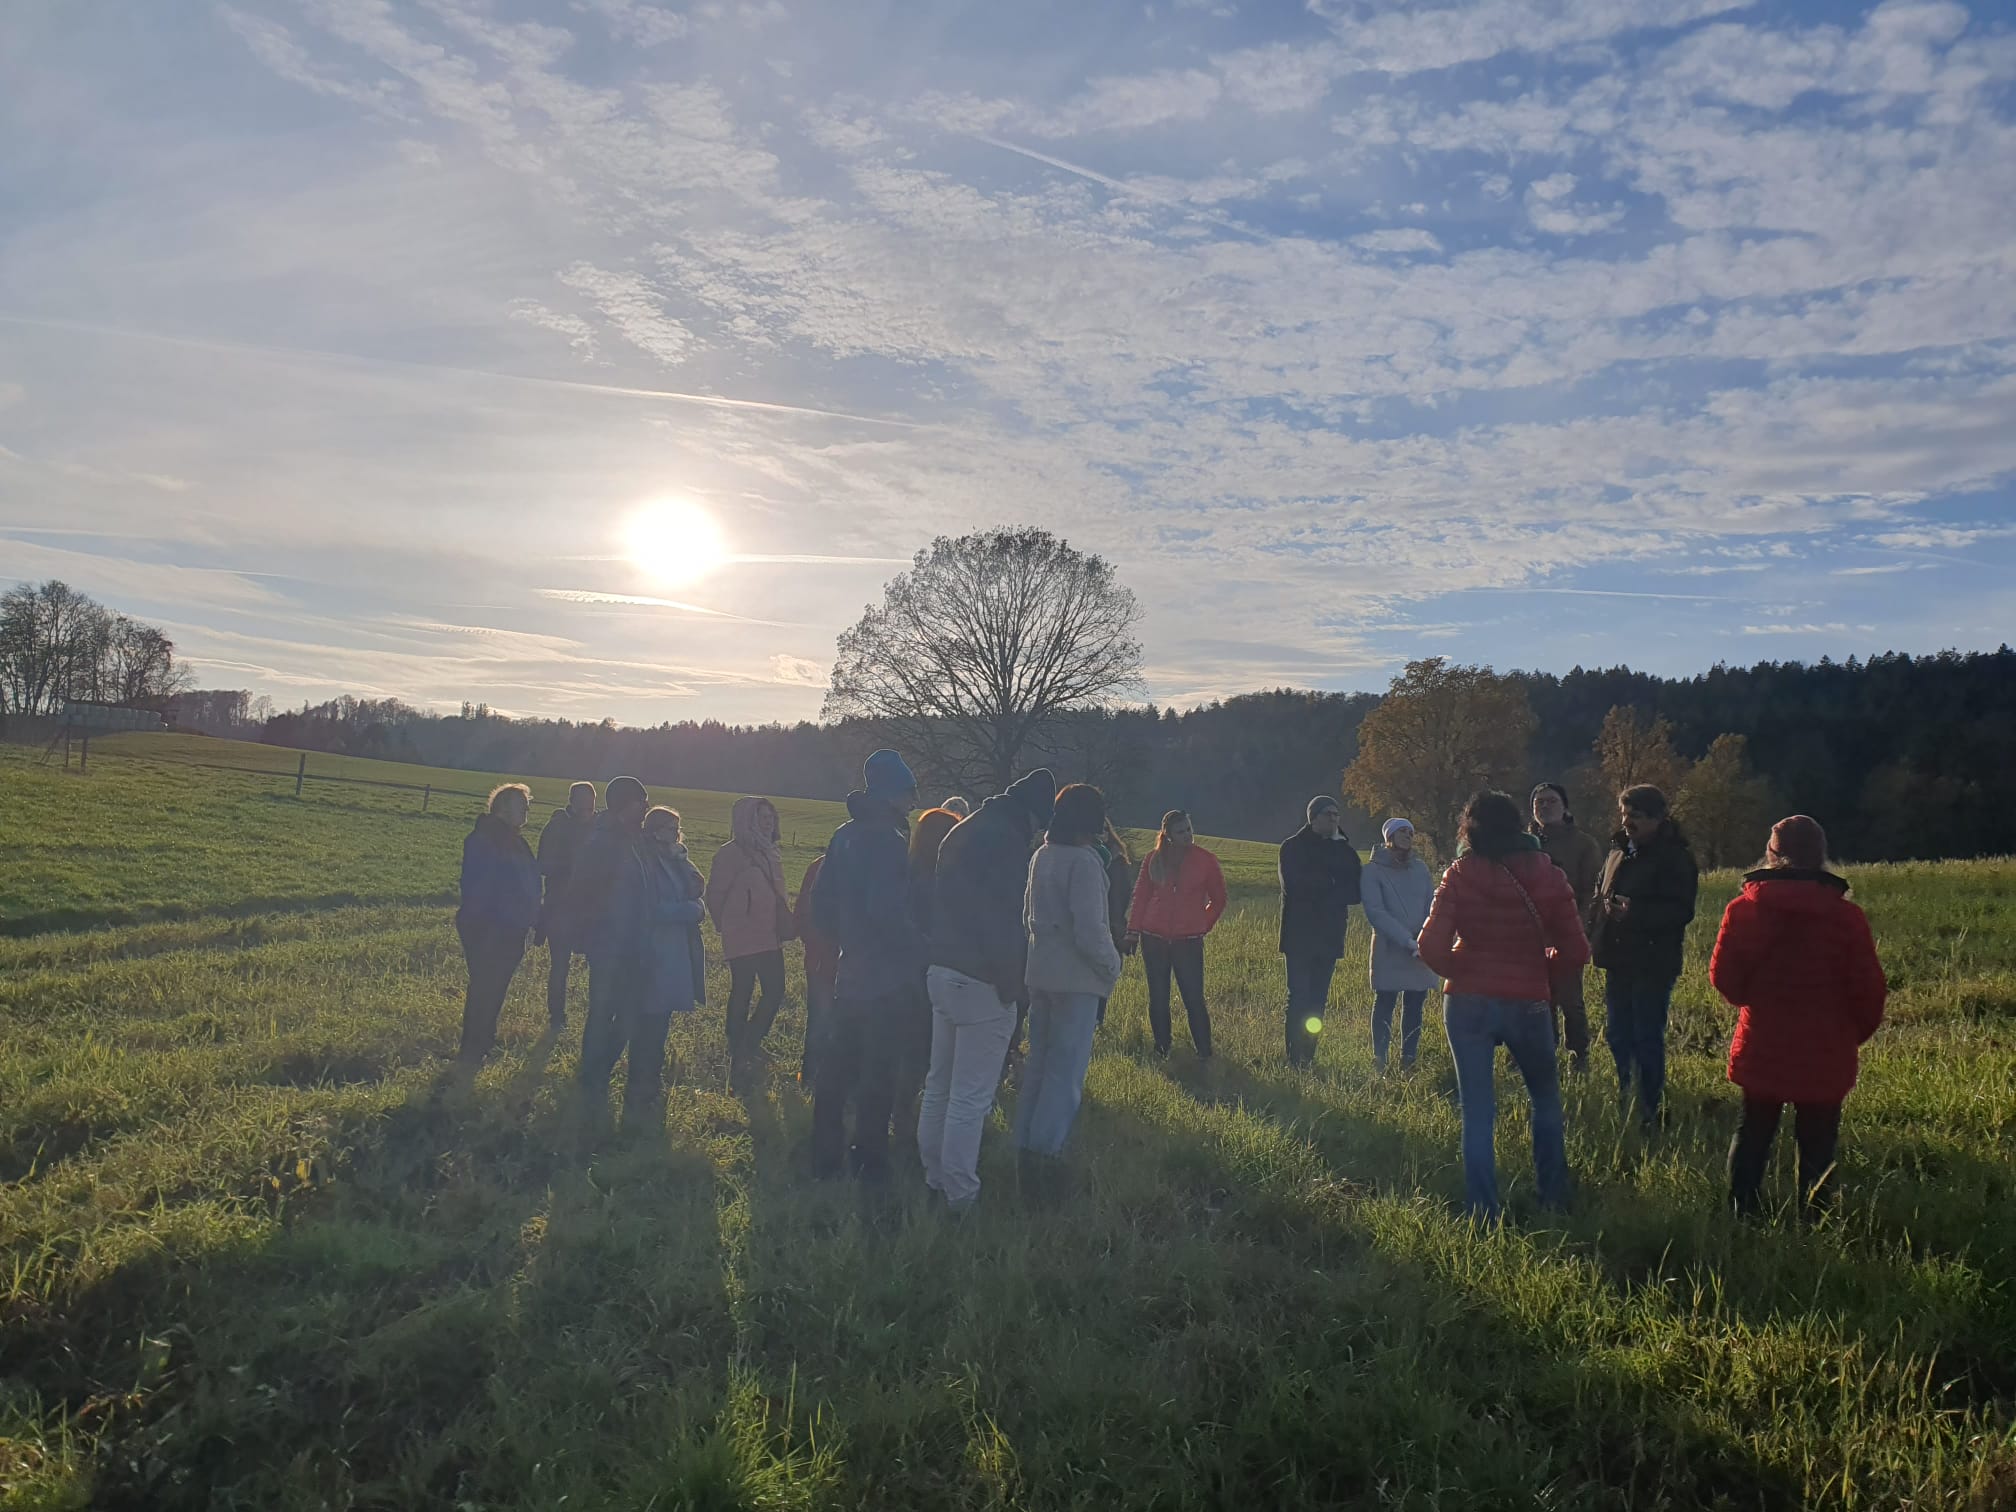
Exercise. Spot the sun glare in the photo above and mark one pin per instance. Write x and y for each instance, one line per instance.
(676, 542)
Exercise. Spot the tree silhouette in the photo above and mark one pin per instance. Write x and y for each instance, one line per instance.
(984, 648)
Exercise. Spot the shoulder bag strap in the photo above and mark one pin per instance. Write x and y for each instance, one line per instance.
(1532, 912)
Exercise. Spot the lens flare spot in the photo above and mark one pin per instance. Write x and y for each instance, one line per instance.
(1313, 1024)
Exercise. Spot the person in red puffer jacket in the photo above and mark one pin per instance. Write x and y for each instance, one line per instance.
(1503, 921)
(1796, 958)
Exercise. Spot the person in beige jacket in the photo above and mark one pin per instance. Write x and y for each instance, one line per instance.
(1073, 963)
(751, 907)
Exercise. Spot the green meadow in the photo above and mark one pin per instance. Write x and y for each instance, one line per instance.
(260, 1247)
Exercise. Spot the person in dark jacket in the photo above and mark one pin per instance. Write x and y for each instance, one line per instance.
(1797, 960)
(1644, 903)
(979, 951)
(560, 845)
(864, 899)
(822, 968)
(1580, 858)
(670, 975)
(1319, 883)
(1119, 895)
(608, 907)
(500, 904)
(1502, 925)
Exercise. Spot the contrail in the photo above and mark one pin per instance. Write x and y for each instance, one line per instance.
(1121, 186)
(209, 344)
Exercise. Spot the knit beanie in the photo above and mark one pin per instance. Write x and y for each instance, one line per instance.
(1037, 793)
(1393, 827)
(1322, 803)
(887, 775)
(1799, 841)
(622, 790)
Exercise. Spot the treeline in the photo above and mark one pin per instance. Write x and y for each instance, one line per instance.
(1896, 755)
(58, 645)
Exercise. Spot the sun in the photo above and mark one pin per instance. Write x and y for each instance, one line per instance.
(675, 541)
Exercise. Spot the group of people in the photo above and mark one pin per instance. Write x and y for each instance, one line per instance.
(930, 946)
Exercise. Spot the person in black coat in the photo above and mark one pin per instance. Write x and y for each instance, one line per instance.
(1319, 883)
(1644, 903)
(500, 904)
(864, 899)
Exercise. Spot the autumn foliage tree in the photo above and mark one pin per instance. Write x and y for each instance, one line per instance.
(1440, 733)
(982, 653)
(1632, 749)
(1725, 806)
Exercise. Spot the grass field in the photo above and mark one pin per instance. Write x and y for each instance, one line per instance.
(259, 1249)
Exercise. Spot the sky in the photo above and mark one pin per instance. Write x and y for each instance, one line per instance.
(349, 340)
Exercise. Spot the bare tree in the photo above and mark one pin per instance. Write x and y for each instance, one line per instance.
(978, 653)
(57, 644)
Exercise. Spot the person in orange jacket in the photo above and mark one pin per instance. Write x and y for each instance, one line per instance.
(1797, 960)
(1178, 899)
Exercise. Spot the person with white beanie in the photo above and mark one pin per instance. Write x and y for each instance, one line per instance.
(1398, 891)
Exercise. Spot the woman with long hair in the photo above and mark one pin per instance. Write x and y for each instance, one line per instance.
(1503, 923)
(1797, 961)
(1644, 903)
(500, 904)
(1073, 962)
(1178, 900)
(751, 907)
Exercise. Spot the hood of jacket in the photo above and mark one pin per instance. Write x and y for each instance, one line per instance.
(868, 809)
(742, 825)
(1386, 855)
(1794, 889)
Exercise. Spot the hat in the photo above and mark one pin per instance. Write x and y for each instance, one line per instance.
(1393, 827)
(622, 790)
(1799, 841)
(887, 775)
(1037, 793)
(1322, 803)
(1549, 787)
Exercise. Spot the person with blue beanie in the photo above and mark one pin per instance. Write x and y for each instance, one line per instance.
(863, 899)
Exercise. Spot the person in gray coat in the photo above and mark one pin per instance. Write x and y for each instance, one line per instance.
(1396, 892)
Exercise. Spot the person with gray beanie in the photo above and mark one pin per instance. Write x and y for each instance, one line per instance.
(1398, 892)
(1319, 883)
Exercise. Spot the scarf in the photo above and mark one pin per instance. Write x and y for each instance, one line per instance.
(762, 849)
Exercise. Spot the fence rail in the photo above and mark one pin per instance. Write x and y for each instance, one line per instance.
(300, 776)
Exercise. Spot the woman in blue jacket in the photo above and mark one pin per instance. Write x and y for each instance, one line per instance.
(500, 904)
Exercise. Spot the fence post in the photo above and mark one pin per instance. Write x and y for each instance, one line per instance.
(84, 754)
(426, 797)
(300, 774)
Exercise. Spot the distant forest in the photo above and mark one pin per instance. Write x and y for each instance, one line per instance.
(1897, 756)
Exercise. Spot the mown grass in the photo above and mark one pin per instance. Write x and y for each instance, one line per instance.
(259, 1249)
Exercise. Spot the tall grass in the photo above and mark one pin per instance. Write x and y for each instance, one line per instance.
(260, 1247)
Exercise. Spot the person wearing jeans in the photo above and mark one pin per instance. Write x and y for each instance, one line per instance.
(1580, 858)
(1797, 960)
(1319, 883)
(1502, 922)
(1476, 1027)
(970, 1025)
(1073, 963)
(979, 955)
(1178, 899)
(1397, 891)
(1644, 903)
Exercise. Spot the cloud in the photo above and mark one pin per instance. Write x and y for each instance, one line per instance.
(128, 583)
(1411, 239)
(798, 671)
